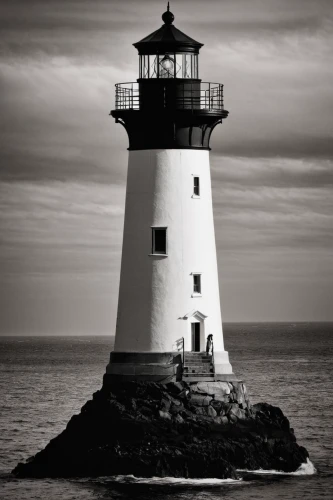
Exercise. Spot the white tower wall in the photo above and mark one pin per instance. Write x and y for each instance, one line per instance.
(156, 300)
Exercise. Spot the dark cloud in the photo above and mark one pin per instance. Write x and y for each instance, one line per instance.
(72, 166)
(282, 173)
(55, 122)
(59, 255)
(293, 146)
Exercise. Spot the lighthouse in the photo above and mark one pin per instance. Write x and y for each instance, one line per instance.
(169, 302)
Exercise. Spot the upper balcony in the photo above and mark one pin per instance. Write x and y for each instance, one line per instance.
(196, 96)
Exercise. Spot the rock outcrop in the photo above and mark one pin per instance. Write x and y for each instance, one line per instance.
(204, 429)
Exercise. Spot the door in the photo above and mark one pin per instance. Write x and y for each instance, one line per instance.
(195, 337)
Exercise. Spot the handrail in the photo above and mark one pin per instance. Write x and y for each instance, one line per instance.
(184, 95)
(213, 356)
(178, 79)
(180, 346)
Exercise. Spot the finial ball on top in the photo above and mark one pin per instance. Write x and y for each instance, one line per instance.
(168, 16)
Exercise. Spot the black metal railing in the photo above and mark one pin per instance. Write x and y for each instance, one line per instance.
(179, 346)
(197, 96)
(127, 95)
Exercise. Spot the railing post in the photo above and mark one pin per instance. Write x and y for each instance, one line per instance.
(213, 355)
(183, 352)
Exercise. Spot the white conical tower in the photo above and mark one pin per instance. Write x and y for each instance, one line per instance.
(169, 294)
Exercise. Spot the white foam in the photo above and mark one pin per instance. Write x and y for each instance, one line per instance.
(306, 469)
(169, 480)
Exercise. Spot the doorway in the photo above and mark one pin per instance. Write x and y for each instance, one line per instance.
(195, 336)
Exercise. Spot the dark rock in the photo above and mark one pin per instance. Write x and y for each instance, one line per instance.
(200, 410)
(179, 419)
(132, 404)
(176, 408)
(200, 400)
(164, 414)
(147, 429)
(185, 413)
(176, 402)
(175, 388)
(114, 405)
(165, 404)
(184, 394)
(238, 412)
(211, 412)
(145, 410)
(225, 408)
(223, 399)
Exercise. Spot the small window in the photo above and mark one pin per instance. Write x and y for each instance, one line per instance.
(196, 186)
(159, 240)
(196, 283)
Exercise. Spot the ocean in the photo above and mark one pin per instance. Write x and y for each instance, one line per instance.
(45, 380)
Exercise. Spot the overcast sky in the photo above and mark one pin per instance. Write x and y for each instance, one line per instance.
(63, 160)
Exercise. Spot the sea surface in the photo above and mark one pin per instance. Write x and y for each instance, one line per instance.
(45, 380)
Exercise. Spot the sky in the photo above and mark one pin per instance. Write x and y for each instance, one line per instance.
(63, 160)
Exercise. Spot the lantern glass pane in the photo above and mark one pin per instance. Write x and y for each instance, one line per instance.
(169, 66)
(153, 66)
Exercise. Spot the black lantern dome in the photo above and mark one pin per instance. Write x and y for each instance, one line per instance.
(169, 106)
(168, 52)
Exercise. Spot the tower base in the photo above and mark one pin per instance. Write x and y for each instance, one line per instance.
(164, 367)
(160, 367)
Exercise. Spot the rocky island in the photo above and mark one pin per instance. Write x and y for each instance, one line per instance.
(178, 429)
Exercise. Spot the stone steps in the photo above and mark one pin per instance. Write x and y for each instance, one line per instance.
(197, 363)
(198, 377)
(198, 367)
(197, 355)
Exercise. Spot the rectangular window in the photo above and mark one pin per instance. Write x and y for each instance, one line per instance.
(196, 186)
(196, 283)
(159, 240)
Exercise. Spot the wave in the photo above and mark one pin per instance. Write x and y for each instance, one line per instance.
(306, 469)
(167, 481)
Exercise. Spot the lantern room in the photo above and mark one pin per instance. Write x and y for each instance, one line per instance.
(168, 53)
(169, 106)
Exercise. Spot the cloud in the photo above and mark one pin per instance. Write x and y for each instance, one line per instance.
(278, 90)
(60, 248)
(272, 172)
(61, 227)
(274, 229)
(273, 203)
(56, 123)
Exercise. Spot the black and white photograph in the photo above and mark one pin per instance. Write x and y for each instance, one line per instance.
(166, 250)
